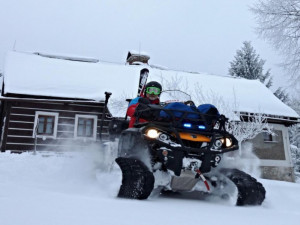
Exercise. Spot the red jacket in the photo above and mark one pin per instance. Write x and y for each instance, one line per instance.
(131, 109)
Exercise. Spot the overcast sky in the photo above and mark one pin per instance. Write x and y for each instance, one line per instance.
(190, 35)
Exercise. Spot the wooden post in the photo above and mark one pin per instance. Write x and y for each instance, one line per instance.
(6, 115)
(107, 95)
(35, 135)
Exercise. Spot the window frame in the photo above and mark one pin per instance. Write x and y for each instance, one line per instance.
(45, 113)
(94, 117)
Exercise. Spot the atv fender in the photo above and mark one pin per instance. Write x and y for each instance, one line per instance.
(131, 143)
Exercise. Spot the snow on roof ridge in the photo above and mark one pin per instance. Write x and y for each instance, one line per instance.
(93, 60)
(67, 57)
(160, 67)
(193, 72)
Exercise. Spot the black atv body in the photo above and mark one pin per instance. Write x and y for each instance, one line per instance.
(185, 146)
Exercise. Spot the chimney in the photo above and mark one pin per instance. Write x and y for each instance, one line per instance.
(136, 58)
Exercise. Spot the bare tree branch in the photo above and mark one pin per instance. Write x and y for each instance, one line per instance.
(279, 23)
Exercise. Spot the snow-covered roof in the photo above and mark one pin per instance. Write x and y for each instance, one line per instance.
(238, 94)
(31, 74)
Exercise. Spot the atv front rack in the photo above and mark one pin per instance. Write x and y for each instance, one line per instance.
(177, 118)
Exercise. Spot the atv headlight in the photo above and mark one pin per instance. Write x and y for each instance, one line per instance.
(228, 142)
(152, 133)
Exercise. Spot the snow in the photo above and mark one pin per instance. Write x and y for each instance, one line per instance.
(30, 74)
(239, 94)
(36, 75)
(77, 188)
(69, 57)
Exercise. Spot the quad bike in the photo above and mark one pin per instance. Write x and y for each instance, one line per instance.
(179, 150)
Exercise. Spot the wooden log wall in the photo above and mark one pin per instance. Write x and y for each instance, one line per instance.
(19, 116)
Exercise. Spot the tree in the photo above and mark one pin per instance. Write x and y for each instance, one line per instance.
(282, 95)
(248, 64)
(294, 134)
(279, 23)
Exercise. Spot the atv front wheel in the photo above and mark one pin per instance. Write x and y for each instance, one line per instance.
(137, 180)
(250, 191)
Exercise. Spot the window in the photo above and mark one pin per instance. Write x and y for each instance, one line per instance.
(45, 124)
(85, 126)
(268, 137)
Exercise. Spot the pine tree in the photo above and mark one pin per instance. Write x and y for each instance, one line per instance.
(248, 64)
(282, 95)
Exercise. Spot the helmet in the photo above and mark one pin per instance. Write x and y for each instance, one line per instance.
(153, 84)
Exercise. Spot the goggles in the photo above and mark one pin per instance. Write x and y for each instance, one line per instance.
(153, 90)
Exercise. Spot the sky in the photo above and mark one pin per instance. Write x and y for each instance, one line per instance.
(191, 35)
(79, 188)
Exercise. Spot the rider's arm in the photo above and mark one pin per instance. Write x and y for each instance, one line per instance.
(132, 106)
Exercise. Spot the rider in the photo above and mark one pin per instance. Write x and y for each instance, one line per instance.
(149, 96)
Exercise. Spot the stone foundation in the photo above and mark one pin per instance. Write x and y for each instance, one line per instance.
(278, 173)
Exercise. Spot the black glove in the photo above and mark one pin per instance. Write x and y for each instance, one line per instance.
(143, 110)
(222, 120)
(144, 101)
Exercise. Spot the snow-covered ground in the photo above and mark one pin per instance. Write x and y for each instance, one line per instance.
(79, 188)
